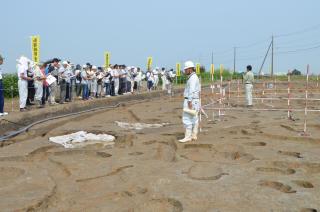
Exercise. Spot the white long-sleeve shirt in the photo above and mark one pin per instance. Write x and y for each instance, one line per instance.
(192, 89)
(22, 70)
(0, 73)
(150, 76)
(248, 78)
(138, 77)
(114, 74)
(169, 74)
(65, 74)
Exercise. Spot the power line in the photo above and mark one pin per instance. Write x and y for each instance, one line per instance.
(305, 37)
(298, 46)
(250, 58)
(309, 29)
(253, 44)
(298, 50)
(223, 52)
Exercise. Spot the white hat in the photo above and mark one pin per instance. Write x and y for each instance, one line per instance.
(65, 63)
(84, 66)
(94, 67)
(188, 64)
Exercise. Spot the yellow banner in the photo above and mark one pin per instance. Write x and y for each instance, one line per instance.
(178, 69)
(198, 68)
(221, 70)
(212, 69)
(149, 63)
(35, 47)
(107, 59)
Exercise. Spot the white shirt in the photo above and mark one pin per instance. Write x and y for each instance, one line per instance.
(22, 70)
(76, 74)
(65, 73)
(114, 74)
(84, 75)
(155, 73)
(123, 73)
(192, 89)
(107, 77)
(138, 77)
(169, 74)
(150, 76)
(0, 74)
(38, 74)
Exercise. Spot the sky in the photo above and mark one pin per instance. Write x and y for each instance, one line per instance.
(170, 31)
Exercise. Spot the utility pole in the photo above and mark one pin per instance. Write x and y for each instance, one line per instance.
(234, 59)
(272, 54)
(265, 57)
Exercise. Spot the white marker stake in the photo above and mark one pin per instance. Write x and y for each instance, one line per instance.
(220, 97)
(229, 95)
(222, 94)
(289, 112)
(200, 117)
(306, 106)
(263, 85)
(11, 98)
(275, 88)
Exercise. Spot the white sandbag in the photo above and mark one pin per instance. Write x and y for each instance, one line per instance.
(82, 138)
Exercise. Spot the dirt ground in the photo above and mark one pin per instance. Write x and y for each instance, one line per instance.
(243, 161)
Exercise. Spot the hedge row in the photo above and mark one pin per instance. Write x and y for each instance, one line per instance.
(10, 85)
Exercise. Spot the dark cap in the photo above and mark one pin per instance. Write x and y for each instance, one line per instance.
(56, 60)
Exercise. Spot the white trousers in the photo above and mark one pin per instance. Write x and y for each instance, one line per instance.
(53, 90)
(116, 86)
(93, 86)
(249, 88)
(132, 85)
(169, 87)
(23, 92)
(188, 120)
(156, 81)
(39, 90)
(164, 82)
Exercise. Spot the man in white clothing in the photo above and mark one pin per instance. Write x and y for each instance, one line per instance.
(150, 80)
(116, 76)
(156, 78)
(138, 79)
(39, 77)
(191, 104)
(163, 78)
(23, 66)
(169, 75)
(248, 79)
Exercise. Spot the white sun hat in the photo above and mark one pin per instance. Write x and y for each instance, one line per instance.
(188, 64)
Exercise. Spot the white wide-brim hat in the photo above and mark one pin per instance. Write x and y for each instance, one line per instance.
(188, 64)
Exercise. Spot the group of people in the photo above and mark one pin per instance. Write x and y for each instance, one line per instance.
(153, 78)
(94, 82)
(40, 84)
